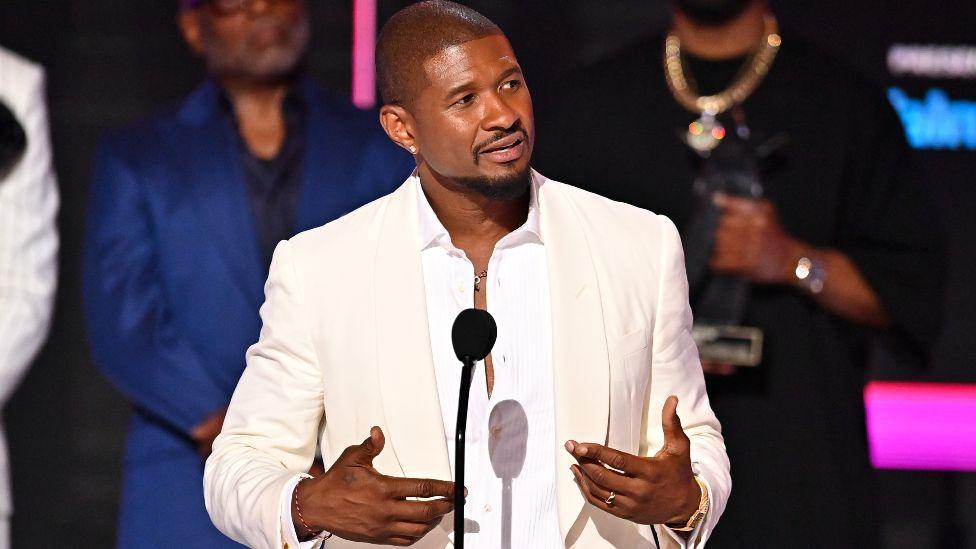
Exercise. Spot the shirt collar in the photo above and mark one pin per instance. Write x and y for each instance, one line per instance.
(433, 233)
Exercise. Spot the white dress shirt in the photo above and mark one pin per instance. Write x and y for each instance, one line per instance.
(510, 441)
(510, 438)
(28, 238)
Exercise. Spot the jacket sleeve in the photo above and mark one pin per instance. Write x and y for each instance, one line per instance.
(28, 240)
(133, 339)
(676, 370)
(269, 434)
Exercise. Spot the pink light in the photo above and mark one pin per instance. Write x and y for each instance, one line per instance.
(922, 425)
(363, 49)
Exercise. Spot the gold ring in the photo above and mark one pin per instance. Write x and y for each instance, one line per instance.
(610, 498)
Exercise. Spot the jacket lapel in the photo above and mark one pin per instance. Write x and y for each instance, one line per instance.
(579, 348)
(408, 386)
(207, 154)
(324, 164)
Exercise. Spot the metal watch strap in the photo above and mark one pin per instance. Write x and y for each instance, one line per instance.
(700, 513)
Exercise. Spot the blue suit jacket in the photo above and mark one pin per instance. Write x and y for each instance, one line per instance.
(173, 280)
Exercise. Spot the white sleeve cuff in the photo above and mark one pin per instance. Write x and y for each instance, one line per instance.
(289, 536)
(693, 542)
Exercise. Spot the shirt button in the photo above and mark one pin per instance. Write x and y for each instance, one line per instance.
(487, 508)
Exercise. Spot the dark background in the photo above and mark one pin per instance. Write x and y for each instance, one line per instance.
(112, 61)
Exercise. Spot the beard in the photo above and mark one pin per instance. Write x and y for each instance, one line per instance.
(248, 60)
(712, 12)
(507, 187)
(510, 186)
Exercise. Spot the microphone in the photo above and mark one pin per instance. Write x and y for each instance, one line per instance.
(473, 335)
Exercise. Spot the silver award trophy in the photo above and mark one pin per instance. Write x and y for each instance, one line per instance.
(719, 300)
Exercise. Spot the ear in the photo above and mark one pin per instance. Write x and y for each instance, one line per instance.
(398, 125)
(189, 23)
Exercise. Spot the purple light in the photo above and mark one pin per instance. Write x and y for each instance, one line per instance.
(921, 425)
(363, 49)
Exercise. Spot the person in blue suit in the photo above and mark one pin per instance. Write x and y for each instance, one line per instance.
(186, 208)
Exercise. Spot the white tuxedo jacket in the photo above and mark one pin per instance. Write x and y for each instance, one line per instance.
(345, 346)
(28, 239)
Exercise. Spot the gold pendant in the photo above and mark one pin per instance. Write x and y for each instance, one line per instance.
(704, 134)
(478, 277)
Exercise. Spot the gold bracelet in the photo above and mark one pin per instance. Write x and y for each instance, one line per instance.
(699, 514)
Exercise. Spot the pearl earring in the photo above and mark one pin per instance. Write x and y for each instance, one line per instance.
(413, 150)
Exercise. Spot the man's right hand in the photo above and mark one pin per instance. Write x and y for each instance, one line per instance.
(355, 502)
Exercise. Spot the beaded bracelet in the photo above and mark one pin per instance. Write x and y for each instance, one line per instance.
(320, 534)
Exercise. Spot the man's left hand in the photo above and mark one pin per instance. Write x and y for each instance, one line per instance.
(647, 490)
(751, 241)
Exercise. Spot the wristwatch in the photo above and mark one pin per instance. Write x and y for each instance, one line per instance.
(810, 274)
(698, 515)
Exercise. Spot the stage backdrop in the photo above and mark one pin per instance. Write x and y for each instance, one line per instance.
(110, 61)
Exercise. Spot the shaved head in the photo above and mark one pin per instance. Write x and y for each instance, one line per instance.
(454, 96)
(417, 33)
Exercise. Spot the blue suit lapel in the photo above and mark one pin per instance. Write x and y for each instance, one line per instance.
(322, 167)
(207, 152)
(348, 160)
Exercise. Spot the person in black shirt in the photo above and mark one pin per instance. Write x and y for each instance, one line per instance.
(830, 239)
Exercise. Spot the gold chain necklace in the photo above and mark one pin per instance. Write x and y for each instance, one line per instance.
(705, 133)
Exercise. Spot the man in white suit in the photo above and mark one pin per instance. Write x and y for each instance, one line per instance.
(28, 236)
(573, 435)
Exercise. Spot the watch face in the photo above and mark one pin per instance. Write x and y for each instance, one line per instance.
(803, 267)
(811, 274)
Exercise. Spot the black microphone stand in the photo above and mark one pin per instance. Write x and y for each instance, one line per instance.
(473, 336)
(460, 428)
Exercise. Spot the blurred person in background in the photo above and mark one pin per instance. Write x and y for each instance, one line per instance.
(28, 237)
(801, 220)
(185, 211)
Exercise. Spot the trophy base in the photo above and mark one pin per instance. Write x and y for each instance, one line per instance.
(725, 344)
